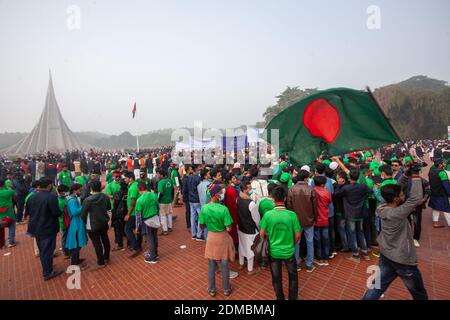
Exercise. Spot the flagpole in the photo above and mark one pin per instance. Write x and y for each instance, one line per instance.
(137, 134)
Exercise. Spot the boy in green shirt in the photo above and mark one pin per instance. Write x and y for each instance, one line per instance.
(65, 177)
(7, 215)
(113, 187)
(219, 244)
(134, 240)
(165, 197)
(282, 228)
(146, 208)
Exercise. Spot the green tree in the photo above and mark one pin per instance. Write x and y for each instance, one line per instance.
(288, 97)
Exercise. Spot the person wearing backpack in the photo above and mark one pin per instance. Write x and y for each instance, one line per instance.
(96, 218)
(119, 211)
(64, 218)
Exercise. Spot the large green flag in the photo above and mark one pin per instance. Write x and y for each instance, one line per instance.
(336, 121)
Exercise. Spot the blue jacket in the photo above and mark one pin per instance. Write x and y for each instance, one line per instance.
(192, 184)
(354, 198)
(76, 235)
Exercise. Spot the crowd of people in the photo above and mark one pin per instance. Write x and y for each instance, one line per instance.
(366, 205)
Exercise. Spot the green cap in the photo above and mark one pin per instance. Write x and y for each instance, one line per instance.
(113, 166)
(367, 154)
(346, 160)
(327, 162)
(393, 158)
(408, 159)
(376, 172)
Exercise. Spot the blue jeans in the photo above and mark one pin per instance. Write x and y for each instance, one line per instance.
(12, 232)
(309, 236)
(135, 241)
(342, 232)
(212, 265)
(355, 233)
(389, 271)
(46, 245)
(196, 231)
(321, 243)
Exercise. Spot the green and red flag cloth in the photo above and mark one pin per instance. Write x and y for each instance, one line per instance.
(336, 121)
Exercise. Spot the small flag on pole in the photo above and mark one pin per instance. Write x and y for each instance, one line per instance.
(134, 110)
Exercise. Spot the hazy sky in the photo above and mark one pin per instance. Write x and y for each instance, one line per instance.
(219, 61)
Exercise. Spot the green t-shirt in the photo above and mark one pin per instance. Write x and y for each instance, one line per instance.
(112, 188)
(81, 180)
(65, 178)
(133, 193)
(173, 176)
(6, 203)
(165, 187)
(147, 204)
(280, 225)
(109, 177)
(215, 216)
(265, 205)
(62, 202)
(146, 181)
(443, 176)
(388, 181)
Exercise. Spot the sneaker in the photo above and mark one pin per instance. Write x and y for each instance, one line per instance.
(345, 250)
(233, 274)
(11, 244)
(437, 225)
(376, 254)
(227, 293)
(416, 243)
(299, 268)
(54, 274)
(194, 238)
(117, 248)
(212, 293)
(354, 258)
(134, 253)
(200, 239)
(150, 261)
(98, 267)
(318, 262)
(310, 269)
(164, 233)
(325, 263)
(253, 272)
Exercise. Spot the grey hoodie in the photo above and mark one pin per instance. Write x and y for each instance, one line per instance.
(396, 237)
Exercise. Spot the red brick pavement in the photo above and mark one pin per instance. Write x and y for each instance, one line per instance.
(182, 273)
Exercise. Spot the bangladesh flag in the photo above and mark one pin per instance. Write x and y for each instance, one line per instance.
(336, 121)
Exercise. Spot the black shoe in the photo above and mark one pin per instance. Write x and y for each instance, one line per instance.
(54, 274)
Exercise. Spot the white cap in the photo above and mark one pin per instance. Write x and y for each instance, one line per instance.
(237, 165)
(305, 167)
(334, 165)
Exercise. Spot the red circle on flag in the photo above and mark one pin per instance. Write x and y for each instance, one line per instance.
(322, 120)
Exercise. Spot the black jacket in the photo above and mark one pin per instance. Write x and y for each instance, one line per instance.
(96, 206)
(354, 197)
(44, 213)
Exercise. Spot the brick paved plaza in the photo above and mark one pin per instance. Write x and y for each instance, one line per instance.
(182, 273)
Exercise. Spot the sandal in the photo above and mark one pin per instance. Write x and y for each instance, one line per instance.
(227, 293)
